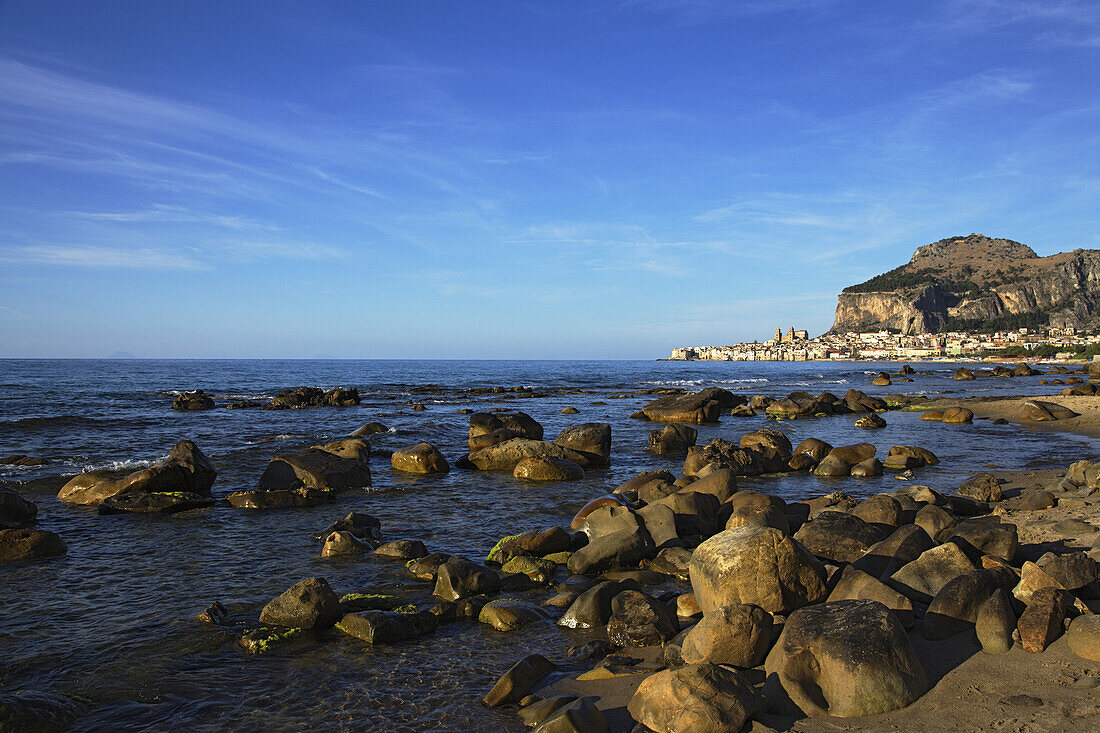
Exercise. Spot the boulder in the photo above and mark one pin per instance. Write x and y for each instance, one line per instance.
(344, 464)
(693, 409)
(695, 698)
(1073, 571)
(963, 374)
(592, 608)
(1042, 621)
(622, 549)
(420, 458)
(858, 401)
(611, 500)
(871, 421)
(546, 468)
(955, 608)
(995, 623)
(672, 439)
(924, 577)
(592, 438)
(363, 526)
(984, 536)
(459, 578)
(934, 520)
(578, 716)
(29, 544)
(402, 550)
(1083, 636)
(278, 499)
(737, 635)
(958, 416)
(302, 397)
(856, 585)
(504, 456)
(342, 543)
(155, 503)
(880, 509)
(508, 614)
(925, 456)
(387, 627)
(816, 449)
(1040, 411)
(518, 681)
(903, 546)
(755, 565)
(197, 400)
(767, 441)
(640, 620)
(536, 543)
(15, 511)
(308, 604)
(185, 469)
(520, 423)
(371, 428)
(832, 465)
(982, 487)
(853, 454)
(932, 416)
(838, 537)
(864, 469)
(610, 519)
(845, 659)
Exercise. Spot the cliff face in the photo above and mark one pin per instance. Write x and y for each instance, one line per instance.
(976, 283)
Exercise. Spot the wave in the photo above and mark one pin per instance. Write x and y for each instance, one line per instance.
(61, 421)
(128, 464)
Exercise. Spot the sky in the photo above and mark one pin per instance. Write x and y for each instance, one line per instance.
(544, 180)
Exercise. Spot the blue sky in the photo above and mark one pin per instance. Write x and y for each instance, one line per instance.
(515, 179)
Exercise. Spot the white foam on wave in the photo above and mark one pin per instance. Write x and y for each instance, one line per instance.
(129, 464)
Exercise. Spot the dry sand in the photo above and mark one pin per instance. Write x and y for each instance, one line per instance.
(972, 690)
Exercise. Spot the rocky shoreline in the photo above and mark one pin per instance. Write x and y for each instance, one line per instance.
(710, 606)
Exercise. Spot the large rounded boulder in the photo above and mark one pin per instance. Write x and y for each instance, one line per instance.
(845, 659)
(592, 438)
(186, 469)
(695, 698)
(757, 565)
(420, 458)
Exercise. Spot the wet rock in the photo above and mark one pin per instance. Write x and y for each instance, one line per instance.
(963, 374)
(622, 549)
(672, 439)
(693, 409)
(845, 659)
(342, 543)
(721, 483)
(592, 608)
(638, 619)
(1040, 411)
(544, 468)
(508, 614)
(738, 635)
(832, 465)
(759, 514)
(579, 716)
(923, 578)
(371, 428)
(421, 458)
(309, 604)
(755, 565)
(958, 416)
(1041, 623)
(459, 578)
(538, 711)
(519, 423)
(923, 455)
(504, 456)
(995, 623)
(387, 627)
(610, 519)
(1083, 636)
(29, 544)
(354, 602)
(303, 397)
(592, 439)
(22, 460)
(852, 454)
(695, 698)
(672, 561)
(871, 420)
(186, 469)
(870, 467)
(15, 511)
(215, 614)
(344, 464)
(518, 681)
(278, 499)
(402, 549)
(197, 400)
(611, 500)
(838, 537)
(982, 487)
(361, 525)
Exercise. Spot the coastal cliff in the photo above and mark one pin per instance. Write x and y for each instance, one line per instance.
(976, 283)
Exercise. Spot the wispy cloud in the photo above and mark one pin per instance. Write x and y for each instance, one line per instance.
(143, 258)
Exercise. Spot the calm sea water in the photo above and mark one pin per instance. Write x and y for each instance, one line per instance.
(111, 621)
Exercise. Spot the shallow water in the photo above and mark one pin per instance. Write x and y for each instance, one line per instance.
(111, 620)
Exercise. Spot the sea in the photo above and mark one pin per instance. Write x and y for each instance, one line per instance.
(112, 622)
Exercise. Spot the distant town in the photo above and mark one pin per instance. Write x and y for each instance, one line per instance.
(795, 345)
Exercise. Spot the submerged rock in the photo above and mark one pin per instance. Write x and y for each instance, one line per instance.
(518, 681)
(309, 603)
(15, 511)
(344, 464)
(29, 544)
(387, 627)
(186, 469)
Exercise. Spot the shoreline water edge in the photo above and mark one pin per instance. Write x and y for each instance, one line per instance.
(563, 546)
